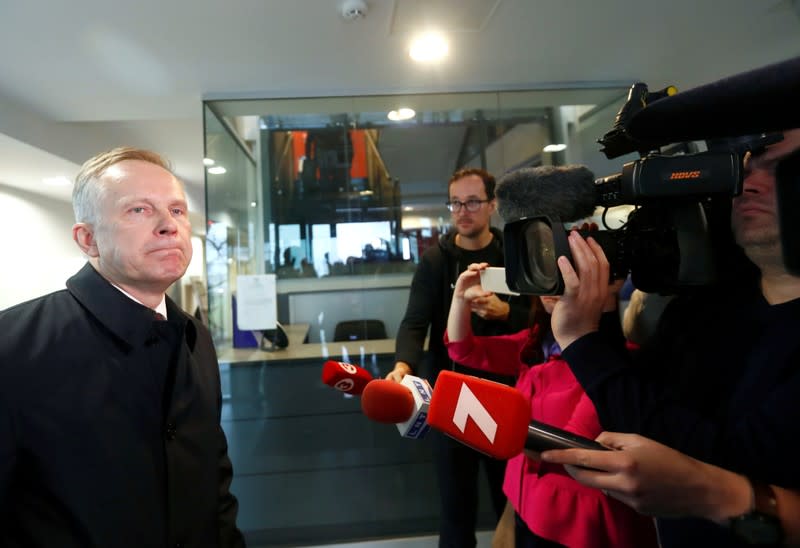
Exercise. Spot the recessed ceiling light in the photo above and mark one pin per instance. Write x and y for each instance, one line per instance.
(208, 162)
(253, 204)
(217, 170)
(428, 48)
(401, 114)
(555, 147)
(57, 181)
(408, 208)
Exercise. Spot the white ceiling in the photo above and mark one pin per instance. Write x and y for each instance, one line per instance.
(82, 76)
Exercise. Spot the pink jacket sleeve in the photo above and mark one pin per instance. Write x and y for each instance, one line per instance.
(498, 353)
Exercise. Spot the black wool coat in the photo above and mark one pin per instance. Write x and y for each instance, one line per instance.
(110, 425)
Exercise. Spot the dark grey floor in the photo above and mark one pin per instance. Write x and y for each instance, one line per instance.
(310, 469)
(484, 539)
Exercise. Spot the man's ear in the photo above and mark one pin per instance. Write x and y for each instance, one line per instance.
(83, 234)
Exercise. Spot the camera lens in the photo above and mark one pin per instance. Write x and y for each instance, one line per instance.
(541, 265)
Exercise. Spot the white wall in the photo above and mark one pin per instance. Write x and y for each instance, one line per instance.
(38, 254)
(582, 146)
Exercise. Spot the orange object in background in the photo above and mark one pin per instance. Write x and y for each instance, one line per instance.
(358, 168)
(358, 163)
(298, 152)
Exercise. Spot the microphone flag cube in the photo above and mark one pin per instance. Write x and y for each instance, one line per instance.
(416, 426)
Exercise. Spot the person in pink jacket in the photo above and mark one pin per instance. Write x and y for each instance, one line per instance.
(551, 508)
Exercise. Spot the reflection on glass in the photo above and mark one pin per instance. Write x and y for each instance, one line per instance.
(346, 196)
(347, 203)
(233, 225)
(332, 185)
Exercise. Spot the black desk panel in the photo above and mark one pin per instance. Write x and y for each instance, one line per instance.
(310, 468)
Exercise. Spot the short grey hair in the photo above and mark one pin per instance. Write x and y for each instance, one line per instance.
(88, 190)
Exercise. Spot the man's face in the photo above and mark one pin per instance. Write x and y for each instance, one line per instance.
(142, 236)
(470, 224)
(754, 216)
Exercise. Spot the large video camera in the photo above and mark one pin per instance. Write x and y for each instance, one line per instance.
(665, 244)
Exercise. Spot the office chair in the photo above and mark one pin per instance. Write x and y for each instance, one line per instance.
(359, 330)
(274, 339)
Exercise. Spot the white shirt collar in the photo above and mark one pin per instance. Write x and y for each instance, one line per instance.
(161, 308)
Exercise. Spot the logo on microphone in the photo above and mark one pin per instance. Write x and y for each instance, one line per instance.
(419, 428)
(344, 385)
(467, 406)
(424, 391)
(488, 416)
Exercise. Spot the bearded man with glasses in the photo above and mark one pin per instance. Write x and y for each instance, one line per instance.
(471, 203)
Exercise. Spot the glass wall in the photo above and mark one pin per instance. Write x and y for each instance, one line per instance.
(327, 188)
(234, 213)
(339, 202)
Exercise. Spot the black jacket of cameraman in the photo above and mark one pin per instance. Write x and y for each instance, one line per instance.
(719, 380)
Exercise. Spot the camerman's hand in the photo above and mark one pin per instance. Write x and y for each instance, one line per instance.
(586, 291)
(655, 479)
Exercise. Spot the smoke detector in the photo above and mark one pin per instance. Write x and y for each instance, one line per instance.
(353, 10)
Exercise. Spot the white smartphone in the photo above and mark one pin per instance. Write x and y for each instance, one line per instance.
(493, 279)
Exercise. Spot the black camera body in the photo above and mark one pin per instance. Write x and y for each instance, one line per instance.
(665, 249)
(666, 244)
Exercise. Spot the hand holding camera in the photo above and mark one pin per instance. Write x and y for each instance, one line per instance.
(586, 291)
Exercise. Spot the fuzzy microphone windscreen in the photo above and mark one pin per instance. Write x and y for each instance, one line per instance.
(564, 192)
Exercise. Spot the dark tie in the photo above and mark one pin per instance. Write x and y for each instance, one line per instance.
(159, 316)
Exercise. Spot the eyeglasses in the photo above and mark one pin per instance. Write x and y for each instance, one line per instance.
(472, 205)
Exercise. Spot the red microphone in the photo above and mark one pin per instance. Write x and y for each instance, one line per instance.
(488, 416)
(387, 401)
(404, 404)
(345, 377)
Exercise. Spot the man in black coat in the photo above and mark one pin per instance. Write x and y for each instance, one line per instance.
(471, 202)
(109, 393)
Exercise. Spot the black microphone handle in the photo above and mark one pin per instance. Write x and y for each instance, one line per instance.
(542, 437)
